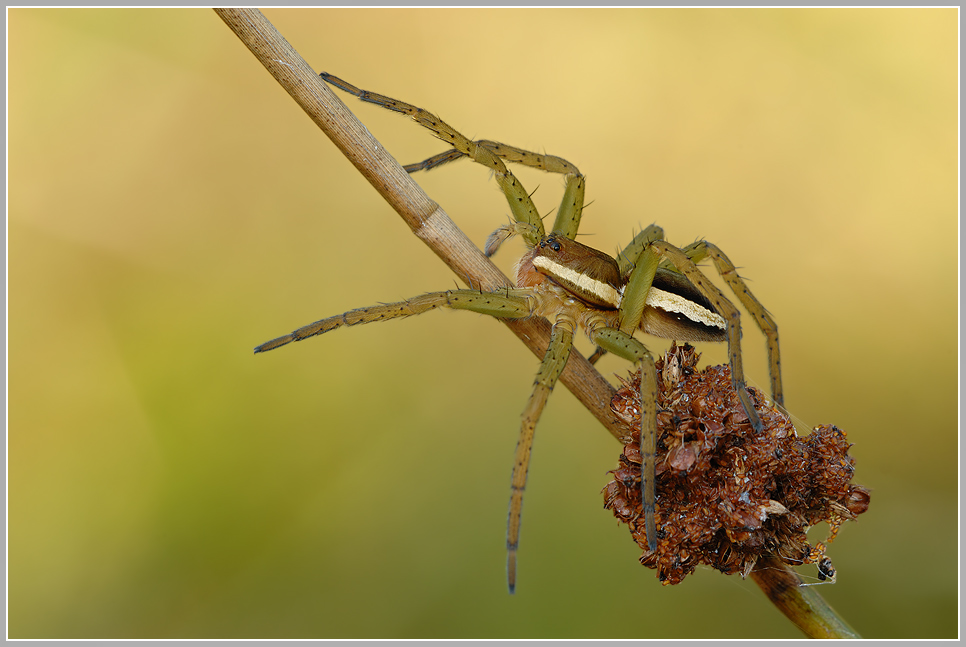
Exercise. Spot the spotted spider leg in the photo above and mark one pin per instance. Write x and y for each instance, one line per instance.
(702, 249)
(490, 154)
(524, 212)
(505, 304)
(697, 252)
(528, 224)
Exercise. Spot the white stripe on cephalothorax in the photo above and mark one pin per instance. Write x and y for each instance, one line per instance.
(674, 303)
(603, 291)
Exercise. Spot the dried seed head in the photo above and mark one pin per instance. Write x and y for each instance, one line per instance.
(726, 495)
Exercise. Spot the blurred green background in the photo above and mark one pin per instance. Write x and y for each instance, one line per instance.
(170, 207)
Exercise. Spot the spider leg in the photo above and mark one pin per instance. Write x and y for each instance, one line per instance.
(598, 353)
(624, 345)
(506, 304)
(702, 249)
(548, 163)
(627, 259)
(554, 361)
(630, 314)
(572, 203)
(490, 154)
(682, 263)
(519, 200)
(435, 161)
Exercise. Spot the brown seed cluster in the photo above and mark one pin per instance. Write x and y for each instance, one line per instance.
(725, 494)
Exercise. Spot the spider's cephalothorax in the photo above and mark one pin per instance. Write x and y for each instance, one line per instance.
(650, 286)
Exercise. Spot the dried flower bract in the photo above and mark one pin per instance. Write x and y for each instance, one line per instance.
(726, 495)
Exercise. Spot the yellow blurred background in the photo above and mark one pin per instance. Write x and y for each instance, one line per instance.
(170, 207)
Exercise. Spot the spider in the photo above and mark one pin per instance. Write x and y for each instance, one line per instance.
(651, 285)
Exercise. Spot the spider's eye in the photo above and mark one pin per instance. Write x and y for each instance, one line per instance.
(550, 240)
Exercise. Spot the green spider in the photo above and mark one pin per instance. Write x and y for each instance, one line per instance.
(651, 285)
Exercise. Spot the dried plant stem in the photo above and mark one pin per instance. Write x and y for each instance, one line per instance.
(431, 224)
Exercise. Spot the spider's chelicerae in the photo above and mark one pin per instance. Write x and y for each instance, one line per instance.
(651, 286)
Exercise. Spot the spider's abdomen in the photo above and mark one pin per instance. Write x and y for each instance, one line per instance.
(675, 309)
(589, 275)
